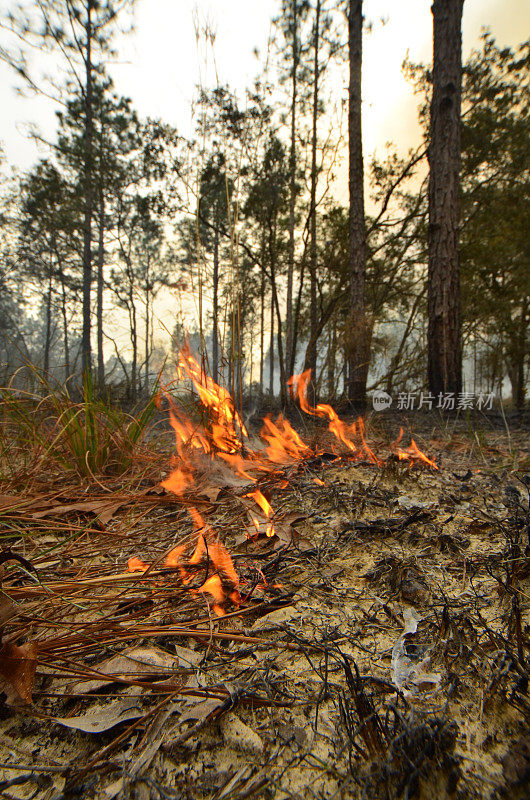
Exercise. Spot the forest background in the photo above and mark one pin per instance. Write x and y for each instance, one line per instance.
(194, 231)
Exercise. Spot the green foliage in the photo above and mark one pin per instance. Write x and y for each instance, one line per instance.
(496, 204)
(90, 437)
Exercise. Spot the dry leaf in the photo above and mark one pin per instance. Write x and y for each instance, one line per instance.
(137, 663)
(104, 510)
(17, 668)
(7, 610)
(102, 718)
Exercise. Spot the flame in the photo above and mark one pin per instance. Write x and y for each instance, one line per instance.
(284, 445)
(137, 565)
(221, 436)
(341, 430)
(210, 557)
(413, 453)
(267, 509)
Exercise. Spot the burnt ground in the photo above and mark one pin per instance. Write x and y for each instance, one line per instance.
(381, 648)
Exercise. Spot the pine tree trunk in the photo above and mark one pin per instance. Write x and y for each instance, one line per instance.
(134, 343)
(332, 355)
(48, 335)
(99, 300)
(275, 308)
(66, 344)
(517, 373)
(262, 334)
(444, 342)
(311, 352)
(292, 195)
(147, 324)
(358, 331)
(86, 353)
(215, 331)
(291, 366)
(271, 351)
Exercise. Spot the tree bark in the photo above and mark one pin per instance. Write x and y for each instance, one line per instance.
(48, 336)
(262, 333)
(99, 300)
(311, 352)
(147, 323)
(215, 326)
(292, 195)
(65, 327)
(358, 327)
(271, 351)
(444, 339)
(86, 354)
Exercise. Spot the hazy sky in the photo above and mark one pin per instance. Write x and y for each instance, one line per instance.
(161, 65)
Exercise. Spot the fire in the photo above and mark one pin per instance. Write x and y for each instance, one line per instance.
(412, 453)
(284, 445)
(222, 436)
(137, 565)
(341, 430)
(267, 509)
(210, 558)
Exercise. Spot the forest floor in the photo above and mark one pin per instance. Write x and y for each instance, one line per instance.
(381, 648)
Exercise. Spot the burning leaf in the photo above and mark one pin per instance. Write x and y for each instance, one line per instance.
(17, 668)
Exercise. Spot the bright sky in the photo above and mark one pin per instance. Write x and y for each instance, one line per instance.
(161, 65)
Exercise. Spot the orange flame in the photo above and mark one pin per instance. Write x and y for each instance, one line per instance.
(413, 454)
(137, 565)
(284, 444)
(341, 430)
(267, 509)
(222, 437)
(222, 580)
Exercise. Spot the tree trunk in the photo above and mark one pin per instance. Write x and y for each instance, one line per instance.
(271, 351)
(275, 307)
(311, 352)
(444, 343)
(215, 331)
(262, 333)
(48, 336)
(147, 323)
(131, 308)
(99, 301)
(358, 328)
(292, 195)
(86, 354)
(291, 366)
(518, 362)
(65, 328)
(332, 355)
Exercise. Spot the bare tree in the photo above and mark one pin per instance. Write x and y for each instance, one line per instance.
(444, 331)
(358, 333)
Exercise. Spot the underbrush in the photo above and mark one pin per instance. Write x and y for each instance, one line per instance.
(86, 436)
